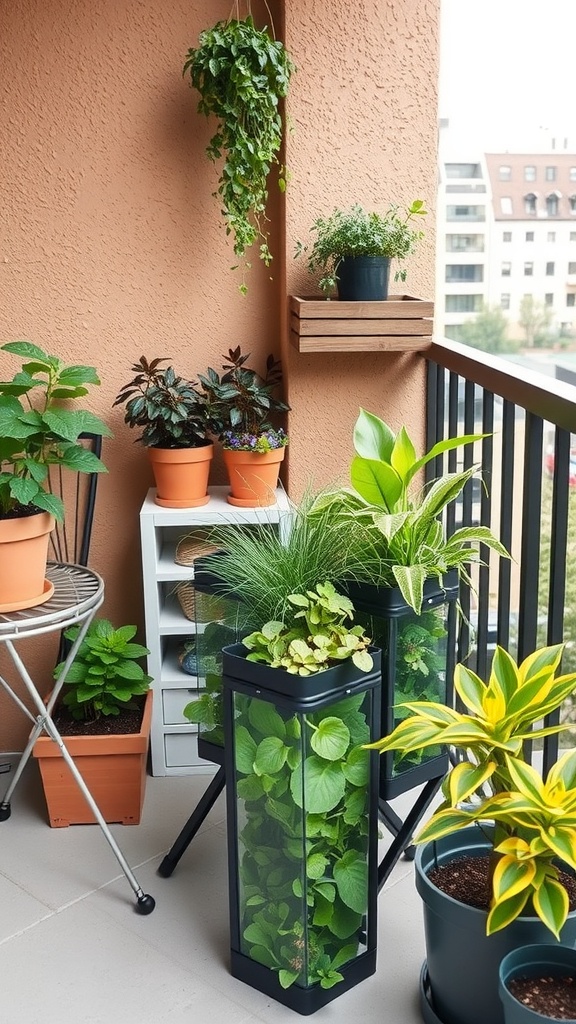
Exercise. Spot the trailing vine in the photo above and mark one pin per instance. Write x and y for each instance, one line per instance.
(242, 73)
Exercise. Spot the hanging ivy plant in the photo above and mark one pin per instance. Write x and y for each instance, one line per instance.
(242, 73)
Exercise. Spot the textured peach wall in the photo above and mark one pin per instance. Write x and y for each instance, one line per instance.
(111, 244)
(363, 106)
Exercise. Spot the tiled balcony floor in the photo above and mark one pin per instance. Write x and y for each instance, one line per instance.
(74, 951)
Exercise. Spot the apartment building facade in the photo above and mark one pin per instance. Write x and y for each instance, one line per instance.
(506, 229)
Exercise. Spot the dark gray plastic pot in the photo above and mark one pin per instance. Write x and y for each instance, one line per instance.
(542, 960)
(363, 278)
(462, 961)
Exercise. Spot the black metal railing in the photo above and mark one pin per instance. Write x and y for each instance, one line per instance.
(528, 499)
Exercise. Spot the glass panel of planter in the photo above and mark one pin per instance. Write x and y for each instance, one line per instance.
(417, 664)
(219, 623)
(302, 827)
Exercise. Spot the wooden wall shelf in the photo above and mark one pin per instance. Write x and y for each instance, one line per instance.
(402, 323)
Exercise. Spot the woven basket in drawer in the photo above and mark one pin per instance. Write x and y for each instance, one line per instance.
(191, 547)
(187, 599)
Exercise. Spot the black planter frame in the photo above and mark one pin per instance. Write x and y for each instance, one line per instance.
(297, 695)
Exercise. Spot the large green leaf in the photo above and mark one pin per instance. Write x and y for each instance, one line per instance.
(551, 904)
(373, 438)
(245, 749)
(351, 877)
(265, 719)
(376, 482)
(270, 756)
(324, 785)
(331, 739)
(403, 455)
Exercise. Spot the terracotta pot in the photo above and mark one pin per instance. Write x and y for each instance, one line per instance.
(253, 476)
(181, 475)
(23, 555)
(113, 768)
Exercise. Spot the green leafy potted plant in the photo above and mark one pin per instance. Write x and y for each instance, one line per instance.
(241, 402)
(496, 859)
(39, 432)
(408, 582)
(242, 74)
(173, 415)
(299, 696)
(353, 248)
(104, 683)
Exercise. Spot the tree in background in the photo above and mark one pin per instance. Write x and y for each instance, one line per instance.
(536, 321)
(487, 331)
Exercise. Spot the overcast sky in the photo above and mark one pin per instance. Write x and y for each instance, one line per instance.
(508, 71)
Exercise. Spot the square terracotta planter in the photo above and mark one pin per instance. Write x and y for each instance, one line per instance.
(113, 768)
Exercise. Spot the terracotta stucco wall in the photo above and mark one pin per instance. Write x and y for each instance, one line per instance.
(111, 244)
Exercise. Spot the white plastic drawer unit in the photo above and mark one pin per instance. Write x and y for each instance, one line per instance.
(173, 745)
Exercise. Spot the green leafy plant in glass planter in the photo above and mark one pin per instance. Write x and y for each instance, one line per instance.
(242, 74)
(353, 240)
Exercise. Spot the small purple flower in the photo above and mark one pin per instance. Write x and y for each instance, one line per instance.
(269, 440)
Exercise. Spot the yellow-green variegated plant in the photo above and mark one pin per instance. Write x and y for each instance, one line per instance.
(534, 819)
(405, 539)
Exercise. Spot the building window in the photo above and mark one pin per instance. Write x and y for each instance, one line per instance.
(463, 303)
(572, 268)
(573, 236)
(550, 174)
(572, 174)
(570, 299)
(464, 272)
(530, 173)
(506, 204)
(551, 237)
(529, 236)
(464, 243)
(505, 300)
(463, 170)
(549, 270)
(549, 298)
(530, 203)
(552, 205)
(506, 269)
(507, 236)
(528, 269)
(572, 201)
(505, 172)
(477, 213)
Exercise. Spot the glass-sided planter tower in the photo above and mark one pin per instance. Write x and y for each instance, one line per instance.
(302, 808)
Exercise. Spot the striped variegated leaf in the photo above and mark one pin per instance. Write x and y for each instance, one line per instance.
(502, 914)
(511, 876)
(546, 658)
(466, 778)
(470, 689)
(562, 841)
(505, 670)
(442, 824)
(515, 847)
(411, 579)
(411, 734)
(526, 780)
(551, 904)
(390, 523)
(565, 770)
(530, 695)
(444, 491)
(434, 712)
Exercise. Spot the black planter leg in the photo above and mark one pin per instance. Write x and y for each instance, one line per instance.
(403, 830)
(200, 812)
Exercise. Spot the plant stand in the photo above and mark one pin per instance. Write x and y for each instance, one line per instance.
(417, 663)
(302, 828)
(400, 323)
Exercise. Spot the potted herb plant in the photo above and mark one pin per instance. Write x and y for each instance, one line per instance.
(406, 587)
(240, 403)
(105, 716)
(172, 412)
(299, 695)
(242, 74)
(496, 860)
(353, 249)
(38, 432)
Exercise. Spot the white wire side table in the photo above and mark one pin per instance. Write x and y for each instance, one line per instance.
(78, 594)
